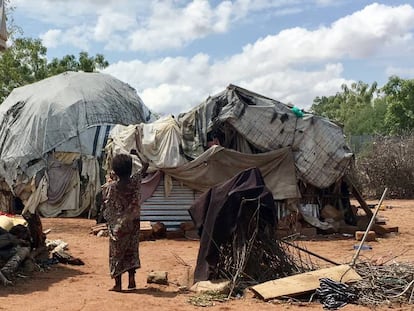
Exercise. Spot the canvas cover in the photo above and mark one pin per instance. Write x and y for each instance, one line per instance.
(214, 166)
(65, 109)
(219, 164)
(157, 142)
(249, 122)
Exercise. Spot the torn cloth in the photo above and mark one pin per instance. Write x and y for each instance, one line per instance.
(218, 211)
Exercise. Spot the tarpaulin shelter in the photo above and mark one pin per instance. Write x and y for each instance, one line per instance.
(59, 126)
(238, 129)
(251, 123)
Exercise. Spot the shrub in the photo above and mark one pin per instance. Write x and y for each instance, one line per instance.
(387, 162)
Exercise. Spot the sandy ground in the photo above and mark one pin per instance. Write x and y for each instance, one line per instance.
(66, 287)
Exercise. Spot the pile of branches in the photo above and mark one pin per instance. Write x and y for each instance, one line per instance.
(253, 255)
(387, 162)
(385, 284)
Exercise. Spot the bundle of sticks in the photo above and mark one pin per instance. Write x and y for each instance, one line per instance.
(385, 284)
(253, 255)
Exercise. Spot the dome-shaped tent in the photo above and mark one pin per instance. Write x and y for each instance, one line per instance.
(71, 112)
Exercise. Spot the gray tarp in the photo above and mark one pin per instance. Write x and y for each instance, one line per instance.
(320, 152)
(218, 164)
(37, 118)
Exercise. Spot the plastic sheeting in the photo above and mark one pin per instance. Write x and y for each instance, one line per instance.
(218, 164)
(37, 118)
(320, 152)
(159, 143)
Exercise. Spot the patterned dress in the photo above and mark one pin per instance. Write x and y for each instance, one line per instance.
(122, 213)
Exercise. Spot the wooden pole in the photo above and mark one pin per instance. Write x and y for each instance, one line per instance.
(358, 197)
(311, 253)
(368, 228)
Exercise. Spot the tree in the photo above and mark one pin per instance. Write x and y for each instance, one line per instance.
(399, 95)
(23, 63)
(67, 63)
(356, 108)
(84, 63)
(25, 60)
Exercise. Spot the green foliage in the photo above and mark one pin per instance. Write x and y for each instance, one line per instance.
(84, 63)
(399, 95)
(354, 108)
(25, 62)
(364, 109)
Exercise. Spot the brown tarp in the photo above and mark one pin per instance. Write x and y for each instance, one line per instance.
(218, 164)
(218, 212)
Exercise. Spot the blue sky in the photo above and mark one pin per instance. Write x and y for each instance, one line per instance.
(176, 53)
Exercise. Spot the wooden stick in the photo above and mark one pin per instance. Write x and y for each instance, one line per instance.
(358, 197)
(368, 228)
(311, 253)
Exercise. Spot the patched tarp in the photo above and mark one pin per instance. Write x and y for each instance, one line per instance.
(219, 164)
(249, 122)
(159, 142)
(38, 118)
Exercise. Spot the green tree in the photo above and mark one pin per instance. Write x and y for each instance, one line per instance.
(66, 63)
(23, 63)
(25, 60)
(84, 63)
(399, 95)
(355, 107)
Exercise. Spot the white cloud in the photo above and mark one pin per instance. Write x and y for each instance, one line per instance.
(76, 36)
(150, 25)
(295, 65)
(173, 27)
(110, 22)
(403, 72)
(51, 38)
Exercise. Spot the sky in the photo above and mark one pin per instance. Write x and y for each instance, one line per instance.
(176, 53)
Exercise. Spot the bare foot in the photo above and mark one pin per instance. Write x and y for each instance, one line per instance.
(115, 289)
(132, 285)
(131, 280)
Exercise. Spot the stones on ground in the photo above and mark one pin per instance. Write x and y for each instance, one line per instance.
(158, 277)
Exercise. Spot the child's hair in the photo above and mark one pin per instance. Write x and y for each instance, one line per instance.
(122, 165)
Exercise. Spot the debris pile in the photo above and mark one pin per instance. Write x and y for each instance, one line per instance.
(24, 248)
(21, 241)
(252, 255)
(237, 223)
(385, 284)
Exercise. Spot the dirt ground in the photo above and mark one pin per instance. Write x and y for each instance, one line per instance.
(66, 287)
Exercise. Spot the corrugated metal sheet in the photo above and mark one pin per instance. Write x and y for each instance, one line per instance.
(171, 210)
